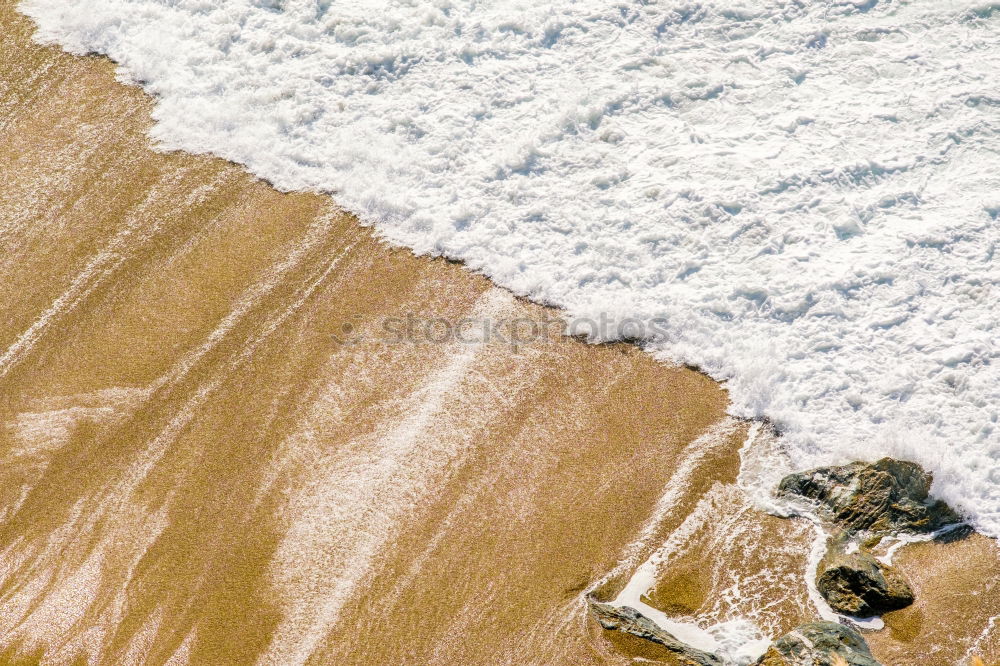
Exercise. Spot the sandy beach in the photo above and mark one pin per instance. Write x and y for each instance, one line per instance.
(236, 427)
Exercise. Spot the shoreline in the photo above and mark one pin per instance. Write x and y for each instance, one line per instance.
(268, 484)
(177, 285)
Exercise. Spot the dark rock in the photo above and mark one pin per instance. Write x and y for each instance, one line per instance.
(819, 644)
(882, 497)
(858, 584)
(631, 621)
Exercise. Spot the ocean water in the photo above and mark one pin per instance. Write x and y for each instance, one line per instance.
(802, 198)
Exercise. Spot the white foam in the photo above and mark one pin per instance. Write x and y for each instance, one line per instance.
(806, 193)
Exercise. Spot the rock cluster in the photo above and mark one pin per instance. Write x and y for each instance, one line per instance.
(813, 644)
(869, 500)
(864, 502)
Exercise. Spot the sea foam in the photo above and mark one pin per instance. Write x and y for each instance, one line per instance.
(799, 197)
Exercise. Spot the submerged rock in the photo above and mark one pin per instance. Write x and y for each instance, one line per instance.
(819, 644)
(858, 584)
(882, 497)
(631, 621)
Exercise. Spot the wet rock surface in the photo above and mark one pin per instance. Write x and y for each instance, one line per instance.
(886, 496)
(819, 644)
(858, 584)
(631, 621)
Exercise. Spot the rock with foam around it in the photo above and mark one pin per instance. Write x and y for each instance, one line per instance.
(819, 644)
(631, 621)
(883, 497)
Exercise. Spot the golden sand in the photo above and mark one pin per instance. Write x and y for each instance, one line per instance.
(957, 593)
(210, 454)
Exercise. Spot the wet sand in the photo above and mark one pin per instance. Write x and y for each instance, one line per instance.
(214, 450)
